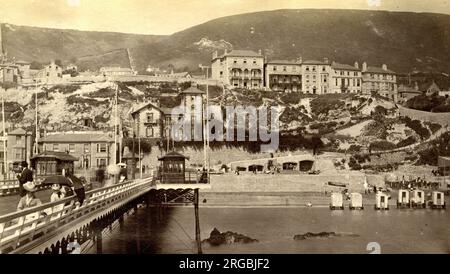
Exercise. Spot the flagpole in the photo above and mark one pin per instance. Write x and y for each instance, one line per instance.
(36, 118)
(5, 164)
(115, 127)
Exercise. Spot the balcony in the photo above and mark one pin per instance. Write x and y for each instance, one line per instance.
(151, 123)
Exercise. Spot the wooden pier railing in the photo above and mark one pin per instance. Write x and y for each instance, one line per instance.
(28, 230)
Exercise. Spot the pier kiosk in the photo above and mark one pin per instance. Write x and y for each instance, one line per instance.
(403, 199)
(173, 184)
(418, 199)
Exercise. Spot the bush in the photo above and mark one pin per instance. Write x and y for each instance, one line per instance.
(441, 108)
(406, 142)
(323, 104)
(434, 127)
(382, 145)
(353, 164)
(422, 131)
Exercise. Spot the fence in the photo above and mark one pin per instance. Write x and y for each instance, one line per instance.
(23, 228)
(434, 117)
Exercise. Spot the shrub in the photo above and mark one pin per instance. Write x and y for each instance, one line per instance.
(353, 164)
(434, 127)
(382, 145)
(422, 131)
(406, 142)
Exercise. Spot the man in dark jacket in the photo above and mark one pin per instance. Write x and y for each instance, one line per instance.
(25, 176)
(77, 186)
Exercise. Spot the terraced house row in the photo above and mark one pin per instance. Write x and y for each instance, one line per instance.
(248, 69)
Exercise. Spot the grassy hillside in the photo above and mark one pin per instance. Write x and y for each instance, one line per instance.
(405, 41)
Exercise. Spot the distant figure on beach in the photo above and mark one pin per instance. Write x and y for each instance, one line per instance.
(309, 204)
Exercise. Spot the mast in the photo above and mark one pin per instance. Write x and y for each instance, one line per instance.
(115, 127)
(36, 119)
(5, 164)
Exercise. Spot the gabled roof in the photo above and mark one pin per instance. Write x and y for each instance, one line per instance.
(335, 65)
(193, 90)
(142, 106)
(76, 138)
(173, 154)
(63, 156)
(379, 70)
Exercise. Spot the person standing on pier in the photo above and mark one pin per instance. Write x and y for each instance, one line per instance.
(29, 199)
(24, 177)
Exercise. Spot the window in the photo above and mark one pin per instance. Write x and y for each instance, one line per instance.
(274, 68)
(314, 68)
(307, 68)
(221, 74)
(149, 117)
(149, 132)
(254, 62)
(18, 153)
(101, 148)
(87, 148)
(101, 162)
(245, 61)
(71, 147)
(284, 68)
(18, 139)
(235, 61)
(55, 147)
(323, 68)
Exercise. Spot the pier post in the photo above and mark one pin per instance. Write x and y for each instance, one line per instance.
(99, 243)
(197, 223)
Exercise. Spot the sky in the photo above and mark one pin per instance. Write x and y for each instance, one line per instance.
(169, 16)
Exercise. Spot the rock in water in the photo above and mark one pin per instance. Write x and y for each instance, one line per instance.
(229, 237)
(321, 235)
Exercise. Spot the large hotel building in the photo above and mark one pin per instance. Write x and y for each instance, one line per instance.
(248, 69)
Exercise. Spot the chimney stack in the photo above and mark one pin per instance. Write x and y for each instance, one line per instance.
(225, 52)
(356, 65)
(416, 86)
(299, 60)
(214, 56)
(325, 60)
(364, 66)
(384, 67)
(259, 52)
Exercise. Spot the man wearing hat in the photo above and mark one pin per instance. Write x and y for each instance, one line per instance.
(25, 176)
(29, 200)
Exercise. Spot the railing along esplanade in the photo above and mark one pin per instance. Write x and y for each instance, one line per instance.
(55, 227)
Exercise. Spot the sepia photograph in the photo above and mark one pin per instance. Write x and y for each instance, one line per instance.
(224, 127)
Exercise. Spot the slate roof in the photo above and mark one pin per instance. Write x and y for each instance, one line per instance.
(76, 138)
(63, 156)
